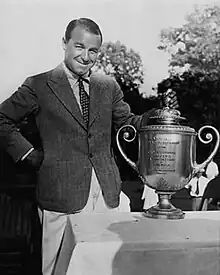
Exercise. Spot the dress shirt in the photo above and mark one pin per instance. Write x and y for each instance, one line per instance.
(203, 181)
(28, 152)
(95, 190)
(212, 170)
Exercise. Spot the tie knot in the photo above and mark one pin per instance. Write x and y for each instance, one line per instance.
(82, 79)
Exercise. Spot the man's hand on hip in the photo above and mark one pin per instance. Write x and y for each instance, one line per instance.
(34, 159)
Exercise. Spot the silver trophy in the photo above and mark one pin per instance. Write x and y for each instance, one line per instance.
(166, 156)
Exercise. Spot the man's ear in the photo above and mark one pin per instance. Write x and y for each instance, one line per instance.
(64, 43)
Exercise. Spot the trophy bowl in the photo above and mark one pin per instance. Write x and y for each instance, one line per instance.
(166, 156)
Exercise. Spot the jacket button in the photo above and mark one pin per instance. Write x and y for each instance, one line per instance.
(89, 135)
(90, 155)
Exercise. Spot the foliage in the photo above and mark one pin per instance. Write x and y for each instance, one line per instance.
(196, 45)
(195, 64)
(125, 65)
(198, 99)
(197, 96)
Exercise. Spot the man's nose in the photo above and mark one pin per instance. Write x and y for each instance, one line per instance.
(85, 55)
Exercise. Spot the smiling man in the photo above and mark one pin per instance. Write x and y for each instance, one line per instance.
(81, 47)
(75, 111)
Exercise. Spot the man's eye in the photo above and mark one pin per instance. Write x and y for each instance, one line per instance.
(93, 51)
(79, 46)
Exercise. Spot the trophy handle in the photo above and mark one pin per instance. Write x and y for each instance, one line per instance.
(209, 138)
(129, 135)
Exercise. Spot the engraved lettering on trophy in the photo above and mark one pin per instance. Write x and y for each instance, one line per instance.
(163, 153)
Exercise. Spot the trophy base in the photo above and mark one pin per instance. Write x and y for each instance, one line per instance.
(156, 213)
(164, 209)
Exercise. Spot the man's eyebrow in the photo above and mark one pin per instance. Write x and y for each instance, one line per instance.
(94, 49)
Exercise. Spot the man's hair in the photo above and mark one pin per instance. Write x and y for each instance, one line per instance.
(85, 23)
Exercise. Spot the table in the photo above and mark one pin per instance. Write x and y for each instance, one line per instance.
(131, 244)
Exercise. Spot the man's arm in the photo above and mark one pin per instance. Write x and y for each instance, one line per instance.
(19, 105)
(33, 158)
(121, 110)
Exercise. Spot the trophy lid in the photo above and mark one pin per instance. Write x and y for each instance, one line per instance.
(164, 116)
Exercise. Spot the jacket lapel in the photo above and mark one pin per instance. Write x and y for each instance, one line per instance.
(96, 92)
(61, 88)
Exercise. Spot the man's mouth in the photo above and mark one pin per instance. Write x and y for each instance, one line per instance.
(83, 63)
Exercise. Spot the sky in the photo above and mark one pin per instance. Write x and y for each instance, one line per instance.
(31, 32)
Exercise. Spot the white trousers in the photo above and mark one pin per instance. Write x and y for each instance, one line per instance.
(53, 225)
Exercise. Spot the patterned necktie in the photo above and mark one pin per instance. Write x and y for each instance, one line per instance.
(84, 101)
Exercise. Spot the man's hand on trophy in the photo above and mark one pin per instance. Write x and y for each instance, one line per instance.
(170, 99)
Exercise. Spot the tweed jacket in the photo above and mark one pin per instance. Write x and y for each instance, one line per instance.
(70, 148)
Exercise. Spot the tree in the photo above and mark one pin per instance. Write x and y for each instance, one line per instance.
(196, 45)
(195, 64)
(197, 97)
(123, 64)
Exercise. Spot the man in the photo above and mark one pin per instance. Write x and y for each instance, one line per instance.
(75, 111)
(211, 195)
(197, 186)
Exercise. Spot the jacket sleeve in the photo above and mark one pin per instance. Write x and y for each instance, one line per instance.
(121, 110)
(19, 105)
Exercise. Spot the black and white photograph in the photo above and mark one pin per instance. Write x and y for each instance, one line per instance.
(109, 137)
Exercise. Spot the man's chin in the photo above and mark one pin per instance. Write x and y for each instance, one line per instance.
(81, 73)
(82, 70)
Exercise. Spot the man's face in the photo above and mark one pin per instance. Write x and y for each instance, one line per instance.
(81, 50)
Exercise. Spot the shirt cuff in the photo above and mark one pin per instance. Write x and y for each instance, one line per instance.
(28, 152)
